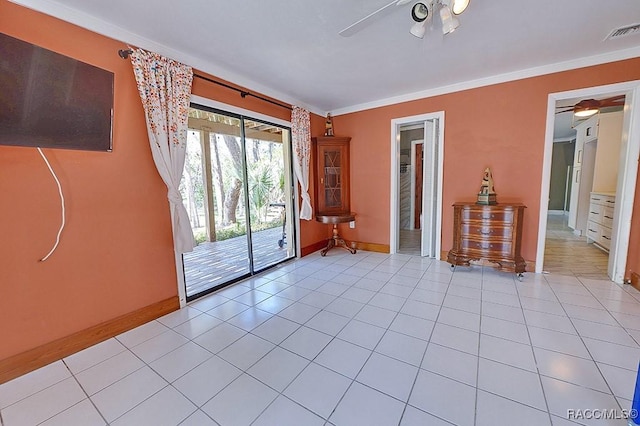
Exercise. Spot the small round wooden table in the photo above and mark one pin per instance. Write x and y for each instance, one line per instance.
(336, 241)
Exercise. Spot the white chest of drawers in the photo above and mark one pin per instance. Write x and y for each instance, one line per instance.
(600, 222)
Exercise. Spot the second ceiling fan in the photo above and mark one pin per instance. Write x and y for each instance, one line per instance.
(588, 107)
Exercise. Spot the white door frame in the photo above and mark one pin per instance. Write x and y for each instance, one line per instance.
(627, 175)
(394, 221)
(412, 212)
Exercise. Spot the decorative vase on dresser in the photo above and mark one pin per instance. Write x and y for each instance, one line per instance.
(488, 232)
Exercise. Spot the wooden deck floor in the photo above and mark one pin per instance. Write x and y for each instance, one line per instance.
(211, 264)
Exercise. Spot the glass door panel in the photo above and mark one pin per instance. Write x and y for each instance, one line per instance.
(267, 195)
(237, 186)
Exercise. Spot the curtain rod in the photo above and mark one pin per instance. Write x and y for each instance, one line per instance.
(124, 54)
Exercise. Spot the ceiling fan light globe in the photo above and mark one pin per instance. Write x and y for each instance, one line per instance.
(459, 6)
(449, 22)
(584, 113)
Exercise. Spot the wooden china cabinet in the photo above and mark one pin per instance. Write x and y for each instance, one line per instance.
(332, 189)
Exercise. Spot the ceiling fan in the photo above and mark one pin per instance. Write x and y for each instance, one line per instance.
(421, 12)
(588, 107)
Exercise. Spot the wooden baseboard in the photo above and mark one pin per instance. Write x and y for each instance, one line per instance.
(635, 280)
(35, 358)
(305, 251)
(378, 248)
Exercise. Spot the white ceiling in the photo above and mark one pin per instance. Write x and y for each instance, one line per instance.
(291, 49)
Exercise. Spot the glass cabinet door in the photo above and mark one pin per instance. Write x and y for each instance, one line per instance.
(332, 175)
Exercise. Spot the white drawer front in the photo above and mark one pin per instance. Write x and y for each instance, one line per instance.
(607, 216)
(593, 231)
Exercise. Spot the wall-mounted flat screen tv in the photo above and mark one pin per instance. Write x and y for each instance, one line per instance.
(52, 101)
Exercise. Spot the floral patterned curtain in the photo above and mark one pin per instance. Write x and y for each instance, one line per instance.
(165, 86)
(301, 139)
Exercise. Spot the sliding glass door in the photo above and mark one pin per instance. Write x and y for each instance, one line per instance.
(237, 187)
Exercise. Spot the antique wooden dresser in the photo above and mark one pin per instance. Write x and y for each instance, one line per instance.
(488, 232)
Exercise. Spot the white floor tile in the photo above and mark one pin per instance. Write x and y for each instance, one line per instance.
(422, 310)
(444, 398)
(346, 308)
(387, 301)
(402, 289)
(125, 394)
(30, 383)
(108, 372)
(494, 410)
(93, 355)
(508, 352)
(317, 299)
(327, 322)
(451, 363)
(376, 316)
(198, 418)
(274, 304)
(546, 321)
(578, 371)
(278, 368)
(343, 357)
(414, 417)
(241, 402)
(299, 312)
(180, 361)
(228, 309)
(505, 329)
(390, 376)
(608, 333)
(83, 413)
(427, 296)
(142, 333)
(219, 337)
(208, 302)
(318, 389)
(612, 354)
(197, 326)
(42, 405)
(167, 407)
(206, 380)
(363, 406)
(252, 297)
(621, 381)
(503, 312)
(402, 347)
(294, 293)
(246, 351)
(284, 412)
(306, 342)
(176, 318)
(358, 294)
(275, 329)
(250, 319)
(560, 342)
(158, 346)
(361, 334)
(460, 319)
(333, 288)
(563, 396)
(456, 338)
(589, 314)
(461, 303)
(510, 382)
(412, 326)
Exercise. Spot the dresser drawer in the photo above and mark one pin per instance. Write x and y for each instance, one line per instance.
(605, 237)
(603, 200)
(482, 231)
(487, 215)
(497, 247)
(595, 213)
(593, 231)
(607, 216)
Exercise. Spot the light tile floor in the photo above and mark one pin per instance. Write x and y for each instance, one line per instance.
(365, 339)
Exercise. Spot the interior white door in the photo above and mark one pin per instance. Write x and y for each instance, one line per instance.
(429, 190)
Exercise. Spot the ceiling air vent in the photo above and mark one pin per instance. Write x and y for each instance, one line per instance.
(623, 32)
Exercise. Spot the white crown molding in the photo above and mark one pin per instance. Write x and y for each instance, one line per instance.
(614, 56)
(110, 30)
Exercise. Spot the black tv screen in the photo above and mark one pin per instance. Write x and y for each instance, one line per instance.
(52, 101)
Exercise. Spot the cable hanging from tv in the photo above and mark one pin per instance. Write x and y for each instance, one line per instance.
(124, 54)
(55, 246)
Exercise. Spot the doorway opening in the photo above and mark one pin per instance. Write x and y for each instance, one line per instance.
(416, 184)
(238, 189)
(590, 235)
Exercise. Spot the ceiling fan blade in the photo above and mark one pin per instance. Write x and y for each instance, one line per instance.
(612, 101)
(566, 109)
(360, 24)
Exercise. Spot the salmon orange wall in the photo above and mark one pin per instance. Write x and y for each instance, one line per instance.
(500, 126)
(116, 252)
